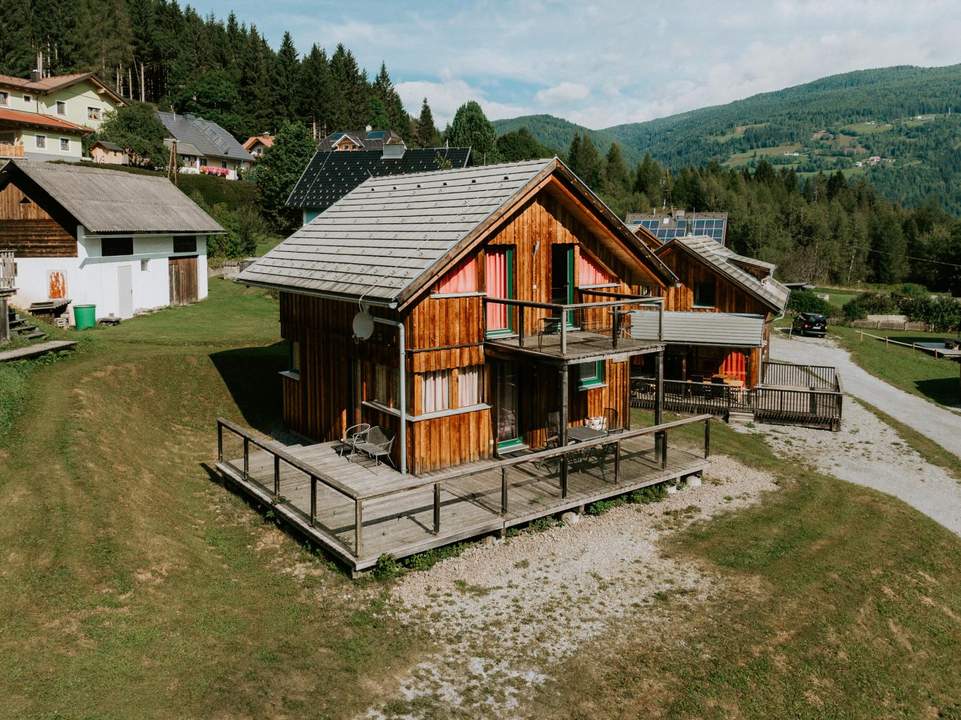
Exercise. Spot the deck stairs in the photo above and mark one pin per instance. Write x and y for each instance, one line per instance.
(24, 327)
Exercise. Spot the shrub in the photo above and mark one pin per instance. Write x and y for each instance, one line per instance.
(942, 313)
(808, 302)
(871, 303)
(244, 226)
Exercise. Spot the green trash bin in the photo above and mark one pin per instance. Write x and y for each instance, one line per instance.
(84, 316)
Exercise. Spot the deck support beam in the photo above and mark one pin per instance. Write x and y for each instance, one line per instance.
(358, 528)
(659, 438)
(503, 491)
(436, 508)
(562, 430)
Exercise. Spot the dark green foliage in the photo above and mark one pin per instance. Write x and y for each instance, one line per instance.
(805, 301)
(871, 303)
(521, 145)
(585, 161)
(425, 131)
(278, 171)
(135, 128)
(471, 128)
(617, 179)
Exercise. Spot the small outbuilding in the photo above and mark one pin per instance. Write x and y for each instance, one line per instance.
(124, 242)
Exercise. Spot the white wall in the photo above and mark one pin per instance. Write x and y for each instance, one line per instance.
(77, 98)
(52, 151)
(91, 279)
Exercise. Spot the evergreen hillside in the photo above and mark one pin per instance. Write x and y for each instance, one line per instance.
(906, 116)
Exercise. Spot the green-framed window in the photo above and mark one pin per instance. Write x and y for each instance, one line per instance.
(590, 375)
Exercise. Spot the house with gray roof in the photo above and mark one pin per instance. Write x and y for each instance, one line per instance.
(204, 147)
(718, 318)
(123, 242)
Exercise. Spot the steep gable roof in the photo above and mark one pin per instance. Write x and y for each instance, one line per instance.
(387, 238)
(727, 262)
(110, 201)
(43, 121)
(331, 174)
(53, 83)
(209, 138)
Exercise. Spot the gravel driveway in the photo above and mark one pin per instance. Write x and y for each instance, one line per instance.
(935, 422)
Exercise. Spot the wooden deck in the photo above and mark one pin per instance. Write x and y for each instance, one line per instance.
(36, 350)
(404, 515)
(581, 346)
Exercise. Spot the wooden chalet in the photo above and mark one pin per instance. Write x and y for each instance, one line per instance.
(718, 318)
(481, 317)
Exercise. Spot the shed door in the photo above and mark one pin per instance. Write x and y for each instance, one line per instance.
(183, 280)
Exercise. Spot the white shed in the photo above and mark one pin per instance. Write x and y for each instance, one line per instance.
(122, 241)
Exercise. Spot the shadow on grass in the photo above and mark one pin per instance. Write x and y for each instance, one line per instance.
(251, 376)
(946, 391)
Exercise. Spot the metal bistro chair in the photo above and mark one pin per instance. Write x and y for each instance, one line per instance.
(353, 435)
(553, 440)
(377, 445)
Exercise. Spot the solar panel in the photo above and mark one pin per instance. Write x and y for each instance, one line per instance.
(667, 228)
(376, 134)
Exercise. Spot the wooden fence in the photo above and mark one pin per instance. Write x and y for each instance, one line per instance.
(7, 269)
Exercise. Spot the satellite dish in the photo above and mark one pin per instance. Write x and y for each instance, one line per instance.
(363, 325)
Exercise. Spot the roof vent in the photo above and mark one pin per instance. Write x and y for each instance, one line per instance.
(36, 75)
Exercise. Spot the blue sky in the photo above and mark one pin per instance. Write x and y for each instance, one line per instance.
(607, 62)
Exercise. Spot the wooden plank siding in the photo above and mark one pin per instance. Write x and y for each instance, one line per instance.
(183, 280)
(30, 230)
(728, 296)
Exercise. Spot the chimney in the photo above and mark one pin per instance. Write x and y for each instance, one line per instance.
(393, 150)
(36, 75)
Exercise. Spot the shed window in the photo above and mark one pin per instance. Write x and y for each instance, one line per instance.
(295, 356)
(590, 375)
(590, 273)
(41, 141)
(185, 244)
(64, 144)
(384, 387)
(116, 246)
(27, 99)
(61, 107)
(705, 294)
(461, 279)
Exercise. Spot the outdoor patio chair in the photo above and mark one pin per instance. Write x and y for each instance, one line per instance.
(377, 445)
(353, 435)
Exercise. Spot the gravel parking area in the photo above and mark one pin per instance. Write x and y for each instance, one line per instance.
(505, 612)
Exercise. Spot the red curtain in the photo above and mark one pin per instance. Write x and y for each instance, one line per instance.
(461, 279)
(497, 287)
(589, 272)
(735, 366)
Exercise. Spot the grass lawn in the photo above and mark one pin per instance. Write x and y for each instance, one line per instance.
(913, 371)
(837, 297)
(267, 243)
(839, 602)
(135, 587)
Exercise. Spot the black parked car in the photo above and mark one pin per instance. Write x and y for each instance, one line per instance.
(810, 324)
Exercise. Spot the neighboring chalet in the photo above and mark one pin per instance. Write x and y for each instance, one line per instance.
(103, 152)
(123, 242)
(45, 118)
(203, 147)
(353, 140)
(664, 226)
(480, 319)
(718, 319)
(257, 144)
(339, 167)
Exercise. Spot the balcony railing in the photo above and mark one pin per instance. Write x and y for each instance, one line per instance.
(555, 327)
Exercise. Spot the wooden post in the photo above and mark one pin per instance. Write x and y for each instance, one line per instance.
(659, 401)
(564, 332)
(663, 449)
(276, 475)
(436, 508)
(617, 462)
(503, 491)
(520, 325)
(246, 457)
(562, 430)
(615, 322)
(220, 442)
(313, 500)
(358, 527)
(707, 438)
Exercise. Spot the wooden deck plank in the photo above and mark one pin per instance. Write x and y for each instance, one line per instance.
(32, 351)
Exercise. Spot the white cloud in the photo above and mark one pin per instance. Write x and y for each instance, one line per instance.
(445, 96)
(564, 92)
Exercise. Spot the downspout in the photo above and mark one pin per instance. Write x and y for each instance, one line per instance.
(403, 390)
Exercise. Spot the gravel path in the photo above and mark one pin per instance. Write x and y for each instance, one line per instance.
(935, 422)
(505, 612)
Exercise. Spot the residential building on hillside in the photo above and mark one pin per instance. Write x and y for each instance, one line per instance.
(670, 224)
(204, 147)
(332, 173)
(366, 139)
(108, 153)
(91, 236)
(44, 118)
(257, 144)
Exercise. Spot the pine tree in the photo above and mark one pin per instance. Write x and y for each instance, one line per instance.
(350, 108)
(285, 80)
(617, 179)
(278, 171)
(397, 118)
(316, 93)
(586, 162)
(647, 179)
(471, 128)
(426, 134)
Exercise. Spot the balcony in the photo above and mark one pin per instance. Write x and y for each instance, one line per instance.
(569, 333)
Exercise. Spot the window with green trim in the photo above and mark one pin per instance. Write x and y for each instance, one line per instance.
(590, 375)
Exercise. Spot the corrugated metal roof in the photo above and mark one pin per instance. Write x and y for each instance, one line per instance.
(767, 290)
(208, 137)
(332, 174)
(379, 238)
(700, 328)
(111, 201)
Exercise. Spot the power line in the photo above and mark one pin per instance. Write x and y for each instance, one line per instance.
(909, 257)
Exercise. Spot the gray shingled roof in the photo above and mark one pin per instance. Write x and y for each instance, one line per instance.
(381, 238)
(384, 234)
(701, 328)
(207, 137)
(767, 290)
(111, 201)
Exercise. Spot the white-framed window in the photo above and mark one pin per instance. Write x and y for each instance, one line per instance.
(4, 98)
(41, 141)
(469, 386)
(27, 99)
(61, 107)
(450, 389)
(436, 392)
(65, 144)
(93, 113)
(383, 390)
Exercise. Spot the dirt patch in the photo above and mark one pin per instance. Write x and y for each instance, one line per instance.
(506, 612)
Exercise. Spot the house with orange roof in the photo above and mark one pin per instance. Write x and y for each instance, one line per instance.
(256, 145)
(45, 118)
